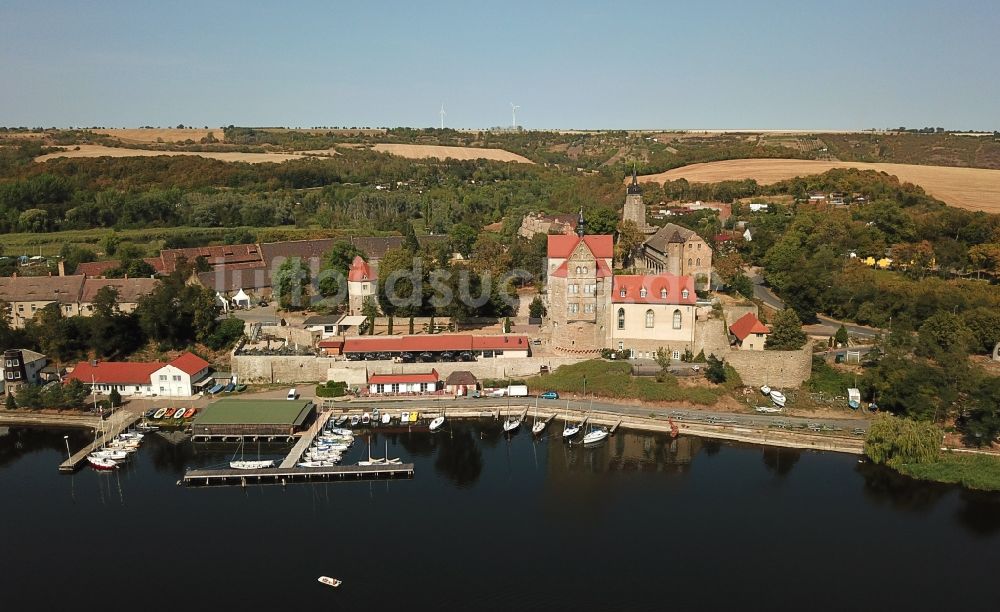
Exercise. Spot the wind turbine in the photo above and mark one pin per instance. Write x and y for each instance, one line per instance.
(513, 115)
(442, 115)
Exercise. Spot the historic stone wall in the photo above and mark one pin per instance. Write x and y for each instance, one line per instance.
(281, 368)
(779, 369)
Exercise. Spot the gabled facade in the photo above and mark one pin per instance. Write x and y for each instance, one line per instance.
(21, 367)
(748, 333)
(579, 272)
(679, 251)
(652, 311)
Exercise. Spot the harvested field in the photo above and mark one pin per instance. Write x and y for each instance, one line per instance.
(101, 151)
(969, 188)
(444, 152)
(140, 135)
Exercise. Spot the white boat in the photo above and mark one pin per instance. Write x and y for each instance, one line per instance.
(339, 448)
(159, 413)
(366, 418)
(180, 413)
(330, 581)
(404, 418)
(511, 424)
(767, 409)
(595, 435)
(335, 438)
(355, 419)
(131, 435)
(386, 419)
(114, 455)
(437, 423)
(310, 464)
(340, 431)
(251, 465)
(765, 390)
(341, 420)
(538, 427)
(101, 463)
(372, 460)
(778, 398)
(854, 398)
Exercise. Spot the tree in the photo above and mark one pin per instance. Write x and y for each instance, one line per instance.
(336, 267)
(841, 336)
(462, 238)
(786, 332)
(896, 441)
(986, 258)
(11, 403)
(410, 242)
(226, 334)
(629, 241)
(984, 324)
(292, 284)
(536, 310)
(601, 221)
(115, 398)
(369, 308)
(982, 425)
(716, 370)
(944, 337)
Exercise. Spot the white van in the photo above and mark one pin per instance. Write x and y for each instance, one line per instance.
(292, 395)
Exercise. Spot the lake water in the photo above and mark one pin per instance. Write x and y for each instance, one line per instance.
(640, 523)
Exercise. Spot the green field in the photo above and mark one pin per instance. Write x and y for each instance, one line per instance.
(613, 379)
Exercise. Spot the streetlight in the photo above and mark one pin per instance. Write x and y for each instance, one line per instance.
(69, 455)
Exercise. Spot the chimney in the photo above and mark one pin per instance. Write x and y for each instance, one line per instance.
(62, 268)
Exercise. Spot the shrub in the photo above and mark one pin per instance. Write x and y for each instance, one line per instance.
(331, 388)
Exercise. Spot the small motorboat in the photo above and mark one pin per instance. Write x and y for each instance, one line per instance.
(149, 413)
(251, 465)
(570, 430)
(376, 415)
(159, 413)
(765, 390)
(404, 418)
(778, 398)
(355, 419)
(595, 435)
(339, 421)
(179, 414)
(329, 581)
(414, 416)
(386, 418)
(146, 427)
(130, 435)
(340, 431)
(854, 398)
(113, 454)
(511, 424)
(241, 388)
(437, 423)
(101, 463)
(189, 413)
(309, 464)
(216, 388)
(169, 413)
(366, 418)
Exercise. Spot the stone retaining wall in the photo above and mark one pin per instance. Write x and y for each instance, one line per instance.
(779, 369)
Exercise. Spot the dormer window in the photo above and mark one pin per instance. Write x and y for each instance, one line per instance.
(642, 292)
(684, 294)
(622, 293)
(663, 294)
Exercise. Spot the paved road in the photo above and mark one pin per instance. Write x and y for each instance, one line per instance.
(827, 325)
(848, 423)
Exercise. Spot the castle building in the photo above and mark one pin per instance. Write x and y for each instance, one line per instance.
(578, 276)
(679, 251)
(362, 282)
(652, 311)
(635, 210)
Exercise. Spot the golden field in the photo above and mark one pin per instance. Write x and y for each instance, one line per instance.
(102, 151)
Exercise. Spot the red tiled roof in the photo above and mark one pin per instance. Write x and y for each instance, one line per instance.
(189, 363)
(388, 379)
(560, 247)
(603, 271)
(100, 268)
(360, 271)
(654, 284)
(433, 343)
(129, 289)
(746, 325)
(115, 372)
(330, 343)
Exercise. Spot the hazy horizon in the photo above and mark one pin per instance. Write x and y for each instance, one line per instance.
(791, 66)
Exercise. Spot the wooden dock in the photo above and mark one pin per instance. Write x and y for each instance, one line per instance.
(305, 440)
(295, 475)
(118, 423)
(614, 427)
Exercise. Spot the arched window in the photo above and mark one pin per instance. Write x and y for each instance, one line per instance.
(585, 269)
(677, 319)
(642, 292)
(578, 269)
(621, 318)
(689, 261)
(663, 294)
(698, 261)
(649, 318)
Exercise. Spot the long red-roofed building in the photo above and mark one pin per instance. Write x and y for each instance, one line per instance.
(434, 347)
(413, 383)
(183, 376)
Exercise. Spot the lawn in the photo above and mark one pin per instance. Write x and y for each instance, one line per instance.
(973, 471)
(613, 380)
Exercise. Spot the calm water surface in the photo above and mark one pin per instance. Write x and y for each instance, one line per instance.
(640, 523)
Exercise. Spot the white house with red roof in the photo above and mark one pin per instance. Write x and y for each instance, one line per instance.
(748, 333)
(362, 281)
(416, 383)
(652, 311)
(180, 377)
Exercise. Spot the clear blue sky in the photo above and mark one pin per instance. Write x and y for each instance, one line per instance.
(762, 65)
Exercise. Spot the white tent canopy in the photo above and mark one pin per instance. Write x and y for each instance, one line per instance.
(241, 298)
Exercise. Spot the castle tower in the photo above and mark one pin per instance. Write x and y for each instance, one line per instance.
(581, 224)
(635, 210)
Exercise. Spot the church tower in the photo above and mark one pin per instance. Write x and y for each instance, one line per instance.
(635, 210)
(581, 225)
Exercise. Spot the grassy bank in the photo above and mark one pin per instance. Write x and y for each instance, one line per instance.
(613, 379)
(980, 472)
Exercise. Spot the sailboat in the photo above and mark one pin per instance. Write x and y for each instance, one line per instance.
(569, 429)
(249, 465)
(372, 460)
(595, 435)
(537, 426)
(511, 424)
(394, 460)
(101, 463)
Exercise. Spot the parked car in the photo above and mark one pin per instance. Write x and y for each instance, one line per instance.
(549, 395)
(292, 394)
(536, 341)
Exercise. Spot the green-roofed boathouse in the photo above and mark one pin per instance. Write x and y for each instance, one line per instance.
(232, 419)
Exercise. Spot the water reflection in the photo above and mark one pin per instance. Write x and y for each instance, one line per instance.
(780, 460)
(20, 441)
(459, 458)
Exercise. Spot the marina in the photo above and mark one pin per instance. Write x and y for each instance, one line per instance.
(295, 475)
(115, 425)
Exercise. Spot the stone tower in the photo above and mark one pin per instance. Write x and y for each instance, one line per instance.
(581, 224)
(635, 210)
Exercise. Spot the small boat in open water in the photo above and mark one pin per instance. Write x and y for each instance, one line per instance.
(330, 581)
(436, 423)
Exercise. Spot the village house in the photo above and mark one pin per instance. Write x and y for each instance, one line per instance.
(21, 367)
(748, 333)
(422, 383)
(26, 295)
(182, 377)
